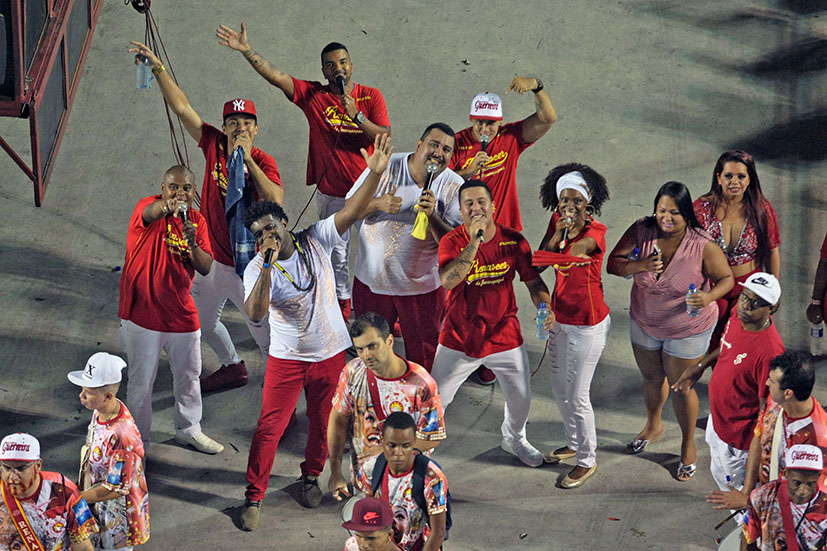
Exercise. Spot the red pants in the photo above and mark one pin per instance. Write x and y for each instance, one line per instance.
(420, 318)
(283, 382)
(725, 305)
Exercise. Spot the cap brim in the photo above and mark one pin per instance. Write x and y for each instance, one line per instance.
(76, 377)
(485, 118)
(758, 293)
(356, 527)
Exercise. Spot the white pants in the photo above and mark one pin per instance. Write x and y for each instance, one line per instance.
(452, 367)
(573, 354)
(210, 293)
(725, 460)
(327, 205)
(143, 349)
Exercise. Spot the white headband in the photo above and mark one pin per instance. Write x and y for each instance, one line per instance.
(574, 180)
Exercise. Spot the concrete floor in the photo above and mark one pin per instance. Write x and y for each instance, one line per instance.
(646, 91)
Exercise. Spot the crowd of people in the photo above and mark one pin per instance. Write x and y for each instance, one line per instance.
(440, 245)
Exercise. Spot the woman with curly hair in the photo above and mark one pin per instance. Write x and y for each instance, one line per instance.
(675, 253)
(743, 223)
(574, 193)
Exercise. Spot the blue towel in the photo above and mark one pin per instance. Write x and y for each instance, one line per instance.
(239, 197)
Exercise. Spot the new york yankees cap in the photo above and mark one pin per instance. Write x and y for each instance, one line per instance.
(240, 106)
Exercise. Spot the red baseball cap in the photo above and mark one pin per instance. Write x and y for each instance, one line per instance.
(240, 106)
(370, 514)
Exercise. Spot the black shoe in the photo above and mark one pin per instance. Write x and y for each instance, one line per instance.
(311, 494)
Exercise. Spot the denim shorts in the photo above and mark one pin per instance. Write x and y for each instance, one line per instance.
(686, 348)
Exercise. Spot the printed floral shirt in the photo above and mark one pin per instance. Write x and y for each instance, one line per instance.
(767, 505)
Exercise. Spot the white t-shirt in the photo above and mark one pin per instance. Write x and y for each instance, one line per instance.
(304, 325)
(391, 261)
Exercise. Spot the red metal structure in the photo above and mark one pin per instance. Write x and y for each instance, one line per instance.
(43, 48)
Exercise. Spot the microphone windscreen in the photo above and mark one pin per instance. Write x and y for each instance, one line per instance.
(341, 81)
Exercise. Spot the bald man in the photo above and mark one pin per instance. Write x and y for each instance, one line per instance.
(166, 244)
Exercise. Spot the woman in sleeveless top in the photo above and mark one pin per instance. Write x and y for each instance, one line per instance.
(739, 218)
(674, 254)
(575, 193)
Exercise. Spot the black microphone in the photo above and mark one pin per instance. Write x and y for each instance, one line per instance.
(268, 257)
(485, 139)
(340, 80)
(480, 233)
(182, 211)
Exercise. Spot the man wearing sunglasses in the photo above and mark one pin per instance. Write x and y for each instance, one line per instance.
(47, 508)
(737, 389)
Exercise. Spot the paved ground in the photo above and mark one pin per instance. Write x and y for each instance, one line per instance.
(646, 91)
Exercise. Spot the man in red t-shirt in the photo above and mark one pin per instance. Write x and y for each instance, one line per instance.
(737, 389)
(261, 181)
(344, 117)
(166, 244)
(477, 264)
(496, 164)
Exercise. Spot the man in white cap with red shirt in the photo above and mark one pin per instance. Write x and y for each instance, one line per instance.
(790, 513)
(488, 150)
(46, 509)
(231, 184)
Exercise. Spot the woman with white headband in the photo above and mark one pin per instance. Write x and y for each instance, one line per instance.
(574, 244)
(675, 254)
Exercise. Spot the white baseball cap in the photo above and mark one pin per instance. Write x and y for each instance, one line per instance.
(804, 457)
(765, 286)
(101, 369)
(487, 106)
(19, 447)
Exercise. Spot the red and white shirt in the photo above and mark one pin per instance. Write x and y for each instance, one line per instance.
(739, 380)
(115, 459)
(333, 158)
(415, 392)
(778, 521)
(481, 312)
(157, 272)
(57, 513)
(500, 172)
(214, 191)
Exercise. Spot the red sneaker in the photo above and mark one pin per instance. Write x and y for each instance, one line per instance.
(228, 376)
(344, 305)
(483, 376)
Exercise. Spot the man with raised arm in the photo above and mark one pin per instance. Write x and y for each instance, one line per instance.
(488, 150)
(254, 175)
(292, 280)
(343, 116)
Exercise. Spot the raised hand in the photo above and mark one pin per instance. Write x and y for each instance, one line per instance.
(521, 85)
(233, 39)
(382, 150)
(140, 49)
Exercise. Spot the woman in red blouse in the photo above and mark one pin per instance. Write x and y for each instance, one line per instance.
(741, 220)
(574, 193)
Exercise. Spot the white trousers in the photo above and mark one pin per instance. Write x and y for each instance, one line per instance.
(452, 367)
(210, 293)
(725, 460)
(574, 351)
(143, 349)
(325, 206)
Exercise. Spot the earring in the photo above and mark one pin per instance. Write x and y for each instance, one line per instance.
(590, 211)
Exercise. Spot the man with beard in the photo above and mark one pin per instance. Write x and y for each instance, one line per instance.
(47, 509)
(343, 116)
(370, 388)
(397, 274)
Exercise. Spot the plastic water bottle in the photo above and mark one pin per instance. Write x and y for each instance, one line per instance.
(634, 255)
(542, 315)
(691, 310)
(143, 76)
(817, 339)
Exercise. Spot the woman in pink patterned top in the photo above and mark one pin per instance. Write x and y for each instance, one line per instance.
(739, 218)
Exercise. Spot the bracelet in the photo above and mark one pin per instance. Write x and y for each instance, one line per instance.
(816, 302)
(158, 70)
(539, 85)
(265, 265)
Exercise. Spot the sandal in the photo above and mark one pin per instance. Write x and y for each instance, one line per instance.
(637, 445)
(685, 472)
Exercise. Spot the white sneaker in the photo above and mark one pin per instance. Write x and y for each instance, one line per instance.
(527, 453)
(202, 443)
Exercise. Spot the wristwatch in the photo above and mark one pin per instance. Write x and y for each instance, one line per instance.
(539, 85)
(360, 118)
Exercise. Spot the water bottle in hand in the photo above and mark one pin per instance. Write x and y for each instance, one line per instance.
(691, 310)
(817, 339)
(542, 315)
(143, 76)
(634, 255)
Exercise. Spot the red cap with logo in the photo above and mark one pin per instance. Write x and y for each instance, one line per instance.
(240, 106)
(370, 514)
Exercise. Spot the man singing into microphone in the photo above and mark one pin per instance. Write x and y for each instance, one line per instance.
(164, 249)
(343, 116)
(489, 150)
(477, 264)
(396, 274)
